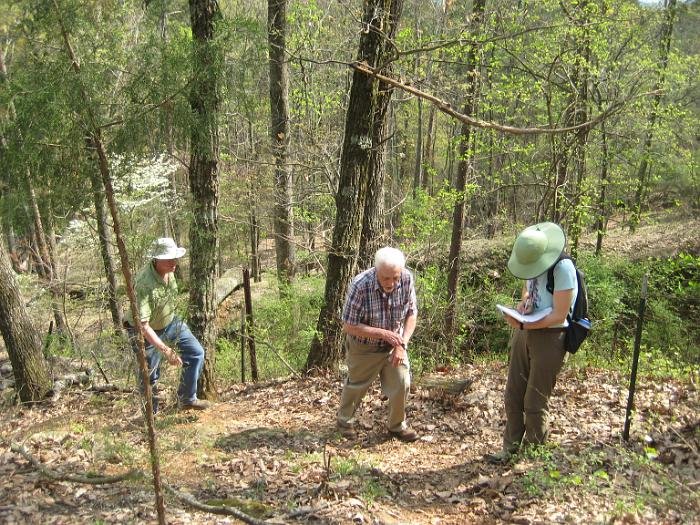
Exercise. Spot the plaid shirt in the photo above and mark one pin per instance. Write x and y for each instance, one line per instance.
(368, 304)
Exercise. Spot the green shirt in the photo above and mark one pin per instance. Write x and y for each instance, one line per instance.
(155, 298)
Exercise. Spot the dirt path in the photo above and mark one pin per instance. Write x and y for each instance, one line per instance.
(265, 447)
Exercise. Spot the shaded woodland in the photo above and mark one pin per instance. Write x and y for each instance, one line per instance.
(294, 138)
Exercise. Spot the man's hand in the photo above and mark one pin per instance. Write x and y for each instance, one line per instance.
(398, 356)
(171, 356)
(392, 338)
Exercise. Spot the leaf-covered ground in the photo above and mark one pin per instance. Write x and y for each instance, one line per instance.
(272, 450)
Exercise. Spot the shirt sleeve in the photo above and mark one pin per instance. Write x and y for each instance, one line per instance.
(143, 299)
(412, 300)
(353, 304)
(564, 276)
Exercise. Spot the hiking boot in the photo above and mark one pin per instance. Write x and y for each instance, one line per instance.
(499, 458)
(347, 431)
(407, 435)
(197, 404)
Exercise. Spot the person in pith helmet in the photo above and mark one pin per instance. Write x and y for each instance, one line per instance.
(537, 351)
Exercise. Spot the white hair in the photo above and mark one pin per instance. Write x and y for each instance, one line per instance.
(389, 257)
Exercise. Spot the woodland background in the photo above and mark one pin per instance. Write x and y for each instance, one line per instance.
(295, 137)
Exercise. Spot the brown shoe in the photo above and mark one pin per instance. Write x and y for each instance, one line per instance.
(407, 435)
(347, 431)
(197, 404)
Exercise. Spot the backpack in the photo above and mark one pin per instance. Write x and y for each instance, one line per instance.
(579, 324)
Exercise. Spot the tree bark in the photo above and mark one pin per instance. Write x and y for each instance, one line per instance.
(279, 134)
(465, 162)
(380, 20)
(104, 239)
(44, 257)
(204, 186)
(22, 340)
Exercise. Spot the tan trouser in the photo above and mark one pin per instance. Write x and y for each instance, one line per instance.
(365, 362)
(536, 357)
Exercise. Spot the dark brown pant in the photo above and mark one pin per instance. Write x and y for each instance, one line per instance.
(536, 357)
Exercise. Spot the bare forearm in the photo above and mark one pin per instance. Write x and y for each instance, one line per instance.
(363, 330)
(151, 336)
(409, 327)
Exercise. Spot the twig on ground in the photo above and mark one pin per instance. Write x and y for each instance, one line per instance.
(213, 509)
(58, 476)
(305, 511)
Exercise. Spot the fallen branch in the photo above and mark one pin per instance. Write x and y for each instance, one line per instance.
(213, 509)
(305, 511)
(111, 387)
(58, 476)
(84, 378)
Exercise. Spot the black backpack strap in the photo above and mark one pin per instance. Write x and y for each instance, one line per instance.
(550, 272)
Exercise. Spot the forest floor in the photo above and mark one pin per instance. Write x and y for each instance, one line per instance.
(272, 450)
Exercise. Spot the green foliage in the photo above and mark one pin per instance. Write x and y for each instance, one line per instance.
(671, 322)
(631, 476)
(427, 219)
(286, 324)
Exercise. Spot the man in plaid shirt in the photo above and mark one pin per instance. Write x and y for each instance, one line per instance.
(379, 318)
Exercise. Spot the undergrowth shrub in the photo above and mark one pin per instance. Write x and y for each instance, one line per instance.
(669, 343)
(285, 324)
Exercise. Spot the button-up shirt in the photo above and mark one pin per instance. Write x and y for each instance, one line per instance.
(367, 303)
(156, 298)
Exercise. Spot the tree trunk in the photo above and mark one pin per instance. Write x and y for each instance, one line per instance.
(373, 216)
(465, 161)
(380, 19)
(418, 165)
(279, 133)
(45, 258)
(104, 239)
(429, 151)
(580, 103)
(644, 165)
(96, 138)
(22, 341)
(12, 247)
(204, 186)
(602, 205)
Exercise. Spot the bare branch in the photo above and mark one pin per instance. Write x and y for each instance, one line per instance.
(447, 108)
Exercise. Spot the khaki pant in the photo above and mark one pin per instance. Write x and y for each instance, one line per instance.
(365, 362)
(536, 357)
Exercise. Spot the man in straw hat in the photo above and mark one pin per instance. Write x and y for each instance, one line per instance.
(537, 348)
(156, 292)
(379, 318)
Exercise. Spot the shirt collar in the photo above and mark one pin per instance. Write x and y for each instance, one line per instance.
(154, 273)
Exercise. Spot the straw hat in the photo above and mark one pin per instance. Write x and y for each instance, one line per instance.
(165, 248)
(536, 249)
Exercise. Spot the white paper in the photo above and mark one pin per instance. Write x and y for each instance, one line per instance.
(524, 318)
